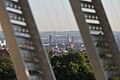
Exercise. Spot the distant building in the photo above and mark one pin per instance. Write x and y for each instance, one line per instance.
(69, 43)
(3, 44)
(69, 40)
(50, 39)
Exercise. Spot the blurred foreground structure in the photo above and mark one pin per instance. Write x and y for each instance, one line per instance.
(28, 56)
(97, 35)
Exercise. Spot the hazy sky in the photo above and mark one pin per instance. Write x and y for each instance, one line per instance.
(57, 15)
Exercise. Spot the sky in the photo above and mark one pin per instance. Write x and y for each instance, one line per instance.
(57, 15)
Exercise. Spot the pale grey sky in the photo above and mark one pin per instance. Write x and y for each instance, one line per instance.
(56, 15)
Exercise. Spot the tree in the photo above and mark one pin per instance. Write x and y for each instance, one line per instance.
(6, 69)
(72, 66)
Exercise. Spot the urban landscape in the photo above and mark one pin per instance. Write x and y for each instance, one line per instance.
(60, 42)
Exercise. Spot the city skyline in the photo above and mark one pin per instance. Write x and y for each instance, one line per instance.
(57, 15)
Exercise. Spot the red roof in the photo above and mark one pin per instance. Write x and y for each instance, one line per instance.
(4, 52)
